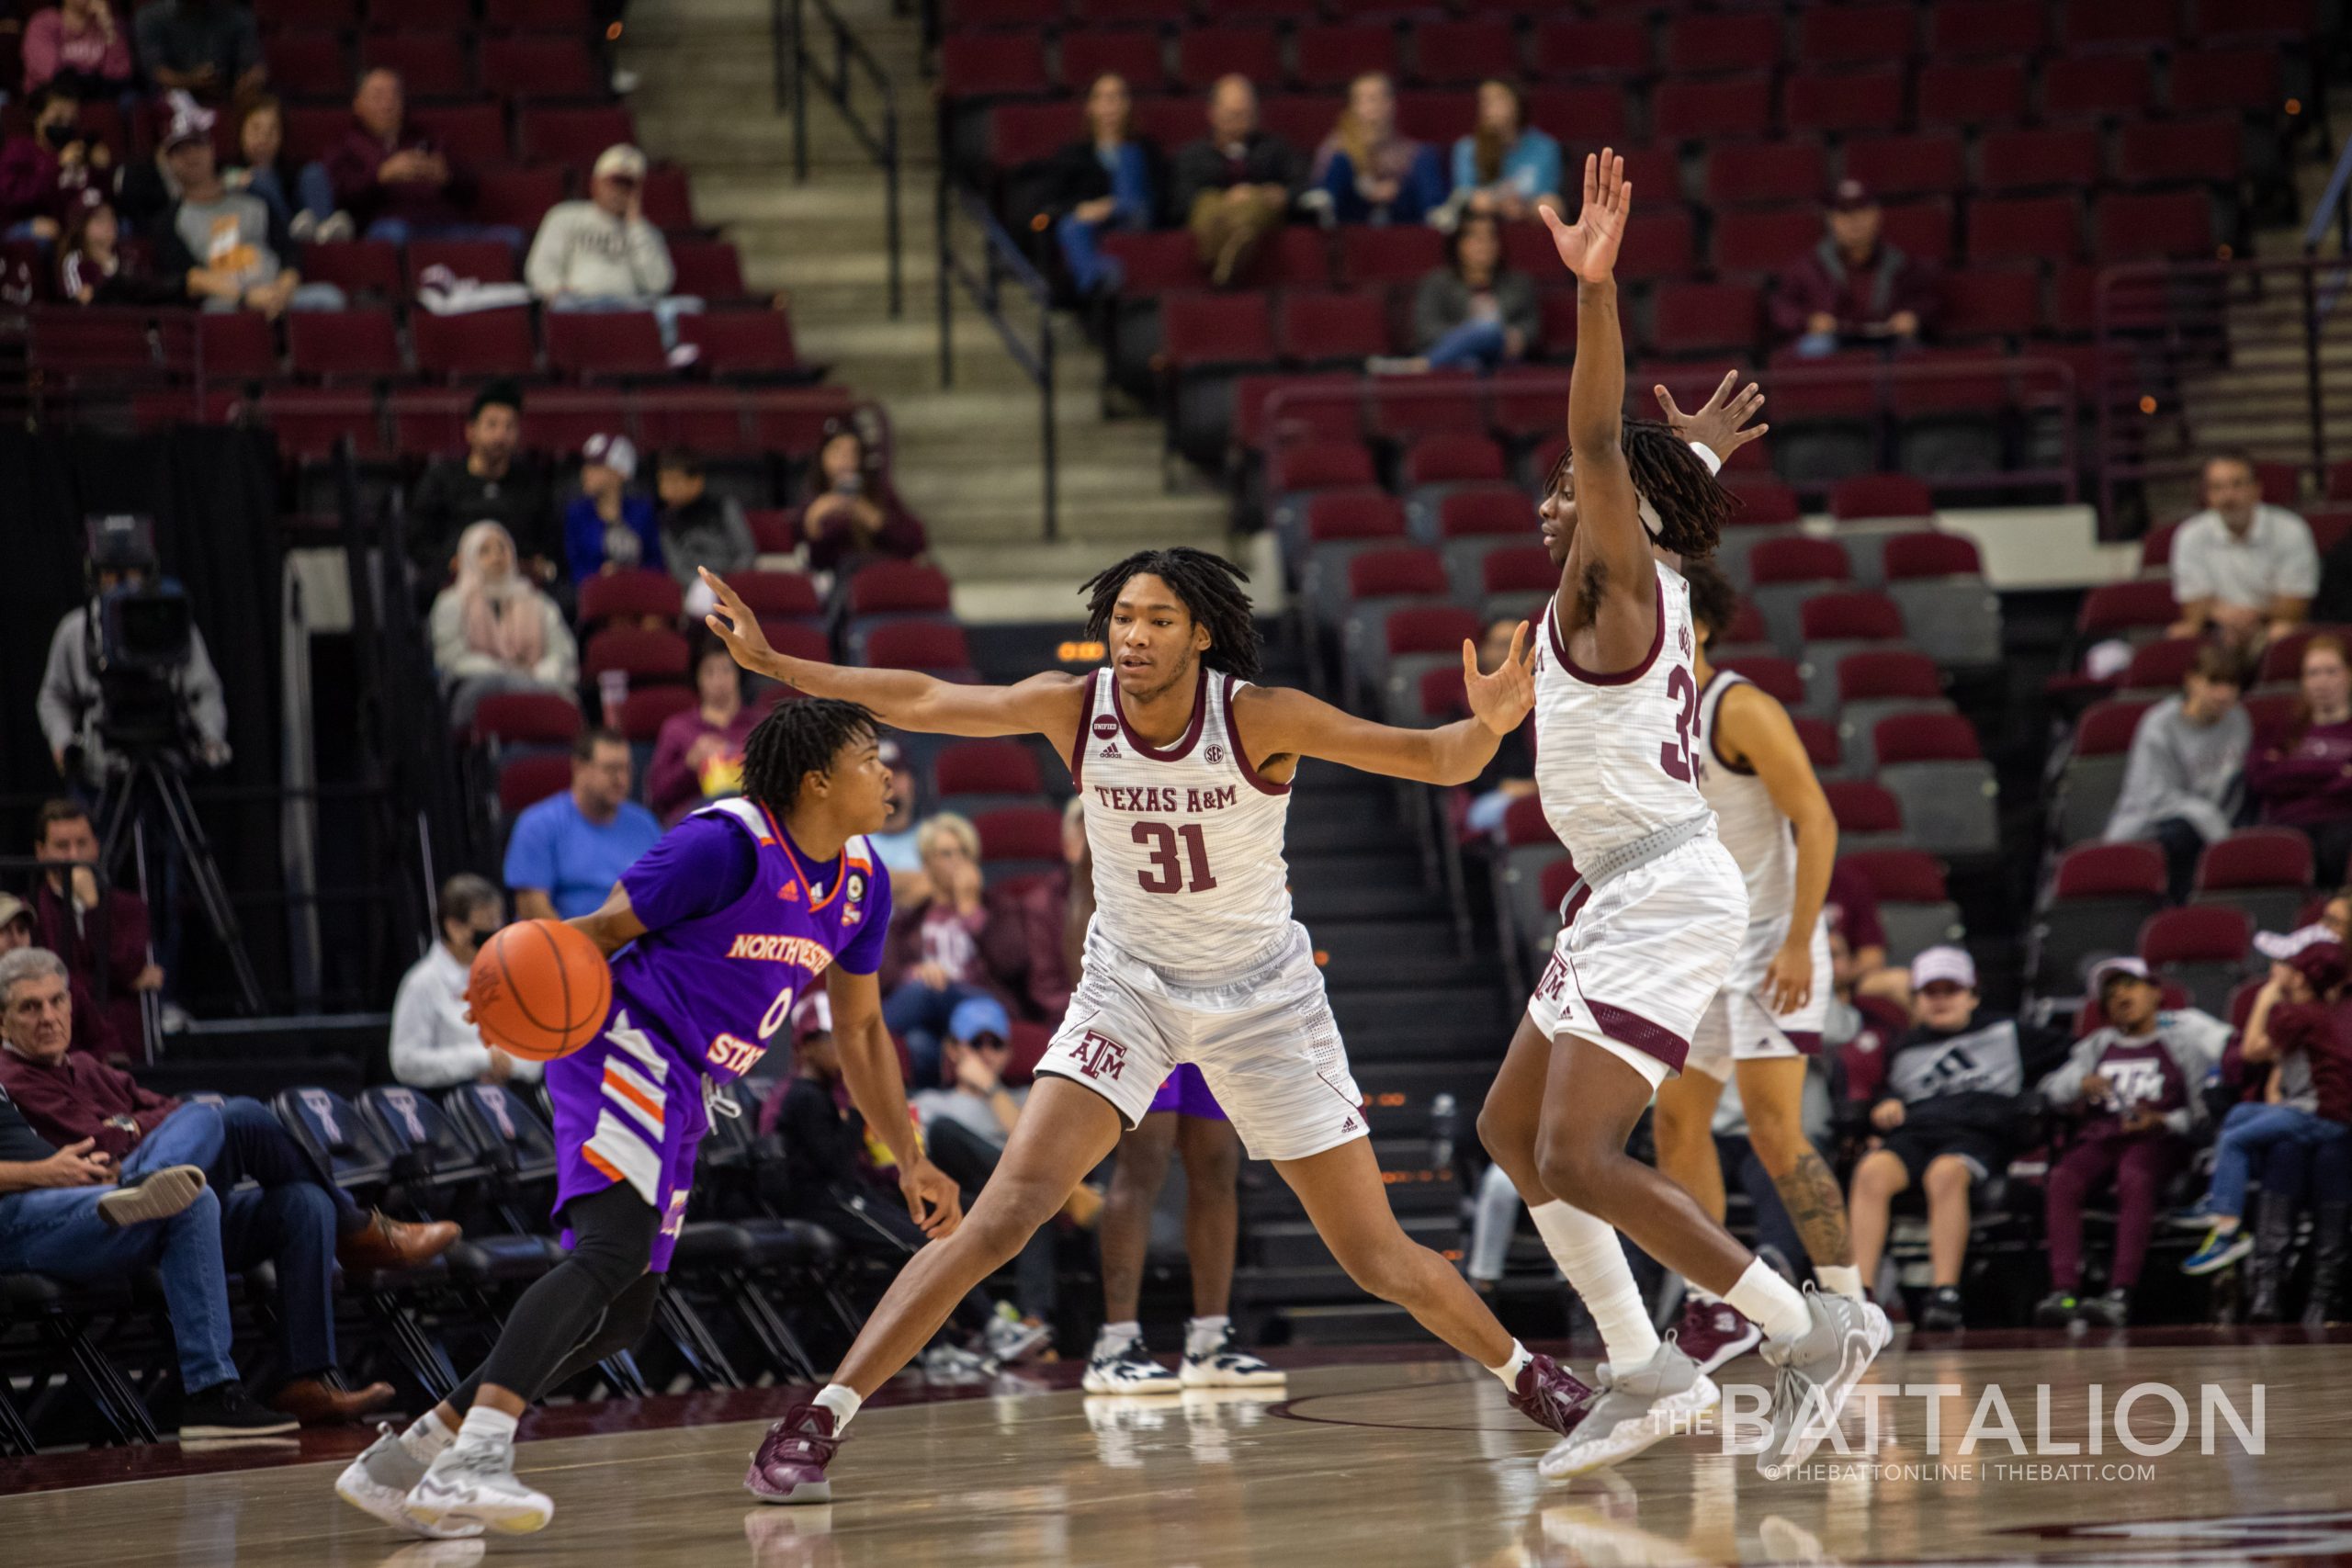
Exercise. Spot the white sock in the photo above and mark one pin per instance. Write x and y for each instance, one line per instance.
(1840, 1279)
(1509, 1372)
(1769, 1301)
(1700, 1293)
(1117, 1336)
(1203, 1335)
(484, 1425)
(426, 1436)
(1587, 1251)
(842, 1401)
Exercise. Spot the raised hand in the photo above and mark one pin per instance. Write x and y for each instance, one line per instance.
(1588, 246)
(1717, 425)
(1501, 700)
(733, 624)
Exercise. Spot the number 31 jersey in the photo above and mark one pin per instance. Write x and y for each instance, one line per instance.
(1613, 752)
(1189, 874)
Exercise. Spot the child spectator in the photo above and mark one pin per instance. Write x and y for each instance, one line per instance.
(2300, 776)
(91, 267)
(605, 528)
(2182, 782)
(698, 755)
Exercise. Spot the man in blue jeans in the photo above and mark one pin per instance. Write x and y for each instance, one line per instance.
(2298, 1034)
(296, 1217)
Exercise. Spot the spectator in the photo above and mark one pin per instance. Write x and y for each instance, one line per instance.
(1854, 286)
(898, 844)
(1234, 185)
(81, 44)
(91, 267)
(394, 180)
(266, 169)
(494, 631)
(605, 528)
(490, 484)
(2300, 776)
(602, 254)
(2182, 783)
(1506, 167)
(90, 1030)
(208, 49)
(233, 253)
(44, 172)
(698, 528)
(435, 1045)
(2241, 567)
(1857, 938)
(958, 942)
(568, 850)
(1371, 174)
(1474, 314)
(1054, 909)
(63, 1215)
(1945, 1123)
(71, 918)
(2135, 1084)
(698, 755)
(1108, 181)
(2306, 1097)
(299, 1218)
(859, 517)
(1512, 772)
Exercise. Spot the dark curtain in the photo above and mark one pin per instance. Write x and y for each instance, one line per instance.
(213, 494)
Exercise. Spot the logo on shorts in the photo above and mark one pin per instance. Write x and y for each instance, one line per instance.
(1215, 753)
(1349, 1125)
(1554, 981)
(1106, 726)
(1099, 1056)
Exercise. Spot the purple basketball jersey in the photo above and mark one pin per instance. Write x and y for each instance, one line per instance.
(696, 999)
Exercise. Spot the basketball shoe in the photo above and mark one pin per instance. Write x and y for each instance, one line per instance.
(1213, 1361)
(789, 1465)
(380, 1480)
(1817, 1371)
(472, 1482)
(1125, 1367)
(1551, 1396)
(1713, 1333)
(1639, 1405)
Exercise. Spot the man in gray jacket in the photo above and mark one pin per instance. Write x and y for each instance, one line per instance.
(2181, 785)
(601, 253)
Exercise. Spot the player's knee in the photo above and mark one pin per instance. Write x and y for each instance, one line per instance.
(1577, 1169)
(1506, 1131)
(1380, 1265)
(1008, 1215)
(1680, 1127)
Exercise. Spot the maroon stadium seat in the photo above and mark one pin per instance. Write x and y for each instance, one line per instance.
(1843, 101)
(1331, 57)
(2027, 228)
(1723, 41)
(355, 345)
(538, 718)
(1459, 458)
(1614, 47)
(1666, 246)
(537, 15)
(669, 199)
(1156, 263)
(1025, 835)
(2207, 151)
(473, 135)
(629, 595)
(1204, 54)
(1850, 617)
(2044, 158)
(1972, 93)
(1319, 326)
(1776, 677)
(1930, 164)
(2275, 19)
(2172, 225)
(517, 195)
(1408, 572)
(1388, 255)
(2114, 608)
(570, 136)
(708, 269)
(482, 344)
(1684, 109)
(1763, 243)
(526, 780)
(529, 65)
(2102, 86)
(2195, 933)
(2132, 25)
(357, 268)
(1580, 115)
(1991, 303)
(1926, 737)
(1929, 554)
(1856, 35)
(899, 588)
(2160, 665)
(309, 423)
(1318, 465)
(307, 64)
(1766, 173)
(647, 709)
(1216, 329)
(1862, 805)
(2110, 871)
(1704, 317)
(2244, 81)
(742, 343)
(431, 65)
(2106, 728)
(1887, 674)
(1880, 495)
(589, 344)
(2013, 30)
(2255, 857)
(1357, 514)
(1463, 52)
(652, 655)
(938, 647)
(986, 767)
(487, 261)
(1798, 559)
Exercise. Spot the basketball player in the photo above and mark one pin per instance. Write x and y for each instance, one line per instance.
(1191, 956)
(1612, 1016)
(1766, 1021)
(714, 933)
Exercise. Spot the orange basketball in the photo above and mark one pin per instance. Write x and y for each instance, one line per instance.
(539, 989)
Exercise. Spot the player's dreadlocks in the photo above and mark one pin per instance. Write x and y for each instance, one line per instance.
(1715, 602)
(1209, 588)
(800, 736)
(1690, 503)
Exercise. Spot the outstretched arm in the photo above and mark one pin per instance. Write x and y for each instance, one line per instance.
(1046, 704)
(1276, 721)
(1609, 529)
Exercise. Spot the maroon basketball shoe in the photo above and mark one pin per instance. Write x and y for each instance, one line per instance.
(1712, 1333)
(790, 1465)
(1551, 1397)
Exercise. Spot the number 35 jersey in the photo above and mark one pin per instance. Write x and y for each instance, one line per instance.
(1613, 752)
(1189, 874)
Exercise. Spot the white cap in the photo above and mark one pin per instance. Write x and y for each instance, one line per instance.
(2106, 969)
(1937, 963)
(614, 452)
(620, 159)
(2283, 947)
(190, 121)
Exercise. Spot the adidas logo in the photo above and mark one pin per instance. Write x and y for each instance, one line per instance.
(1349, 1125)
(1109, 752)
(790, 892)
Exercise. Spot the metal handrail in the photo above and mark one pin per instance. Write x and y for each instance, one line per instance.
(2333, 207)
(788, 33)
(1000, 263)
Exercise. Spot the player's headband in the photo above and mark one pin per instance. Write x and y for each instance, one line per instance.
(1650, 519)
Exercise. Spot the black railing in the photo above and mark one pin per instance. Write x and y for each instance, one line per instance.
(2333, 207)
(1002, 263)
(796, 68)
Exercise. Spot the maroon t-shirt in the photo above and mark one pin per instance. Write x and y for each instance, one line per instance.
(2141, 1075)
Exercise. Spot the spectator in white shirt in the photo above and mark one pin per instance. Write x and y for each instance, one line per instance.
(2240, 568)
(435, 1045)
(601, 253)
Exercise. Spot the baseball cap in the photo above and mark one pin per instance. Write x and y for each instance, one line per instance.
(978, 1016)
(893, 756)
(620, 161)
(2108, 969)
(2321, 965)
(1943, 964)
(812, 1014)
(13, 908)
(2283, 946)
(1852, 196)
(614, 452)
(190, 121)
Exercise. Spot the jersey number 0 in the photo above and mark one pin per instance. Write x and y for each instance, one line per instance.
(1166, 873)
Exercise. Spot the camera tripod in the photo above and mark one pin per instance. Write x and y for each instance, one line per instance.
(156, 776)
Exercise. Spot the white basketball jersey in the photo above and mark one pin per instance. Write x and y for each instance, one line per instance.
(1614, 753)
(1189, 874)
(1750, 824)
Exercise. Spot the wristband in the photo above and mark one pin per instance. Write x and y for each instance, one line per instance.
(1707, 456)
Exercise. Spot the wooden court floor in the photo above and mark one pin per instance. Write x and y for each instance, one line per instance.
(1403, 1462)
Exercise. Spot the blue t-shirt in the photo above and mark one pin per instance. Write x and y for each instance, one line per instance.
(583, 535)
(573, 861)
